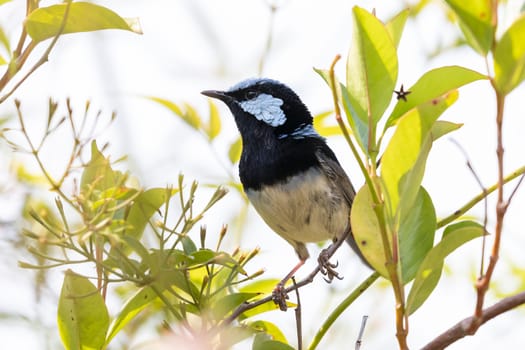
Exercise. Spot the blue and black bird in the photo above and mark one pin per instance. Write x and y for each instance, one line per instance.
(290, 175)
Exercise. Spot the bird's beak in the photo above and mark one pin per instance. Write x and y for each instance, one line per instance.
(221, 95)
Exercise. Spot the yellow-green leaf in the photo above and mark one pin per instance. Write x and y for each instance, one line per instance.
(396, 25)
(45, 22)
(371, 67)
(235, 151)
(214, 124)
(475, 21)
(509, 57)
(83, 318)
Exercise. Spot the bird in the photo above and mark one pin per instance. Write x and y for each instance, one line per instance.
(288, 172)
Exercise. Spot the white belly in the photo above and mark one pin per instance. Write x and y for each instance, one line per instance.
(304, 209)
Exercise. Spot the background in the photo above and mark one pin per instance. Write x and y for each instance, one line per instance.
(189, 46)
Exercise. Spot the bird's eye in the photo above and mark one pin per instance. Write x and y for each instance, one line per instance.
(250, 94)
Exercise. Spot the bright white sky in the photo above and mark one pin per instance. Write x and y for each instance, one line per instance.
(189, 46)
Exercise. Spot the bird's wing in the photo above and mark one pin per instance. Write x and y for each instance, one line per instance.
(335, 172)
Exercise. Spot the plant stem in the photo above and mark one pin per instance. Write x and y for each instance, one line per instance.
(341, 308)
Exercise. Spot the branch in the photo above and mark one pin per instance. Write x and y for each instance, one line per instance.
(309, 279)
(461, 329)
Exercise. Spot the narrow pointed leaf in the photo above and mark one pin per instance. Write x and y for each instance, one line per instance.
(475, 21)
(187, 113)
(131, 308)
(214, 124)
(396, 25)
(234, 153)
(429, 272)
(443, 127)
(358, 126)
(45, 22)
(431, 85)
(509, 57)
(83, 318)
(372, 65)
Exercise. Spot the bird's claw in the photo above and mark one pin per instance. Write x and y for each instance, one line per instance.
(327, 268)
(279, 296)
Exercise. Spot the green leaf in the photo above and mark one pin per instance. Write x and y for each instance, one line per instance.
(98, 174)
(372, 65)
(188, 245)
(358, 126)
(263, 341)
(509, 57)
(188, 114)
(322, 127)
(442, 127)
(429, 272)
(225, 305)
(262, 286)
(403, 163)
(431, 85)
(82, 315)
(234, 153)
(45, 22)
(269, 328)
(144, 206)
(371, 69)
(396, 25)
(475, 21)
(416, 233)
(214, 124)
(131, 308)
(2, 61)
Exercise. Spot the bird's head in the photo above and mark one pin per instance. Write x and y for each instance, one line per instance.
(267, 106)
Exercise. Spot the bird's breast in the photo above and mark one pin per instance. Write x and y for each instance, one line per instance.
(306, 207)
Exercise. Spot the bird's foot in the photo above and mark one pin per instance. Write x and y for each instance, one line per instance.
(327, 268)
(279, 296)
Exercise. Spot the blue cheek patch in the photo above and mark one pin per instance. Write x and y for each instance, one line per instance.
(265, 108)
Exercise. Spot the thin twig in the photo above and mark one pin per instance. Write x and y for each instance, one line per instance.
(462, 328)
(359, 340)
(485, 203)
(298, 319)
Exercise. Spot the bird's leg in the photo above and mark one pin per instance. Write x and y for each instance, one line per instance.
(279, 294)
(325, 266)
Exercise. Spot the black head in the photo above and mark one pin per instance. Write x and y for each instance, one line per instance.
(266, 106)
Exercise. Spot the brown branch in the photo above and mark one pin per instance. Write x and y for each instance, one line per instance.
(483, 282)
(462, 328)
(309, 279)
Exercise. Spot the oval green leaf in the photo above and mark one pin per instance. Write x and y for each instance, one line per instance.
(83, 318)
(45, 22)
